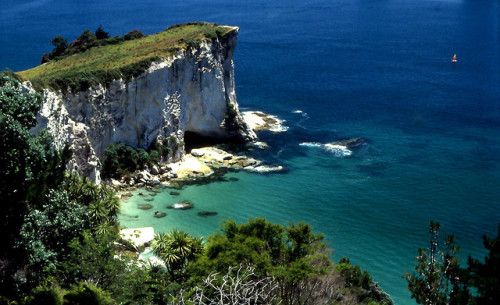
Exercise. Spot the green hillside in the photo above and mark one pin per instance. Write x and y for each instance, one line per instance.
(117, 57)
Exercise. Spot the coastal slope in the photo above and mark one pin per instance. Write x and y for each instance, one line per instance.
(189, 90)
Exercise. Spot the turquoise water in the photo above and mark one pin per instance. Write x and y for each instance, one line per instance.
(379, 70)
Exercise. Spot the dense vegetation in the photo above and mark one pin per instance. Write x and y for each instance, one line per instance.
(60, 239)
(440, 279)
(95, 58)
(46, 212)
(122, 160)
(60, 245)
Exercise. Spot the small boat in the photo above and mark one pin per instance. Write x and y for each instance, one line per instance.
(454, 58)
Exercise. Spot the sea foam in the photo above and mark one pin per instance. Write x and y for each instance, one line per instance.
(337, 150)
(311, 144)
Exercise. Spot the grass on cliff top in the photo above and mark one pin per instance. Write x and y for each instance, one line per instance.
(101, 65)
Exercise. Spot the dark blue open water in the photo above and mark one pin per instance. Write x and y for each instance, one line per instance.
(379, 70)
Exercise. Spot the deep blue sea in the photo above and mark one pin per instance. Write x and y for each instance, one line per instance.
(375, 69)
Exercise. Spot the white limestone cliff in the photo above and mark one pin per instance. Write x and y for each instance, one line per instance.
(192, 91)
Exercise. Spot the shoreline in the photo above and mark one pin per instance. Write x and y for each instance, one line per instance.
(203, 163)
(200, 165)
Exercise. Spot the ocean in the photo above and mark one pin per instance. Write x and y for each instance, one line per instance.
(337, 69)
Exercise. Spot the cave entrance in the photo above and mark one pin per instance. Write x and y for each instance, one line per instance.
(193, 140)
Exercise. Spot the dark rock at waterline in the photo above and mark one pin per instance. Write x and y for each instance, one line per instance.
(233, 179)
(207, 213)
(183, 205)
(159, 214)
(141, 194)
(350, 143)
(152, 194)
(144, 206)
(149, 199)
(175, 193)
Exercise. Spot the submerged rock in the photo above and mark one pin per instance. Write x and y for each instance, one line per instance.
(207, 213)
(159, 214)
(183, 205)
(149, 199)
(175, 193)
(350, 143)
(144, 206)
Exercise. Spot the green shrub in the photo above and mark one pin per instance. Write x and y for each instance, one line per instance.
(193, 44)
(88, 294)
(121, 159)
(135, 34)
(46, 296)
(210, 35)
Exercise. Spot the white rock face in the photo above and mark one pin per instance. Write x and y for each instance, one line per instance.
(192, 91)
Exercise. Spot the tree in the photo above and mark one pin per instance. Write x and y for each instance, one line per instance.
(438, 278)
(100, 33)
(60, 45)
(293, 255)
(46, 232)
(22, 156)
(176, 249)
(485, 277)
(87, 37)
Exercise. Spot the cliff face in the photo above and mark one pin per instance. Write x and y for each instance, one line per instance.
(192, 91)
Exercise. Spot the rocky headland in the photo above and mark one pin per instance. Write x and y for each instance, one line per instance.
(191, 90)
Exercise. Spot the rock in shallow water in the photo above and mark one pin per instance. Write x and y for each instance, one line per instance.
(159, 214)
(183, 205)
(350, 143)
(144, 206)
(207, 213)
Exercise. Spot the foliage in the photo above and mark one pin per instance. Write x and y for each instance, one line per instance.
(176, 249)
(361, 284)
(47, 231)
(102, 203)
(46, 295)
(293, 256)
(101, 34)
(135, 34)
(438, 277)
(22, 155)
(94, 260)
(287, 253)
(88, 294)
(485, 277)
(120, 159)
(116, 57)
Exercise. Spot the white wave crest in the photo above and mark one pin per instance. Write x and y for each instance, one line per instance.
(264, 168)
(337, 150)
(297, 111)
(311, 144)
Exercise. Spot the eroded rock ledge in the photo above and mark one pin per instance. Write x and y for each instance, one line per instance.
(202, 163)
